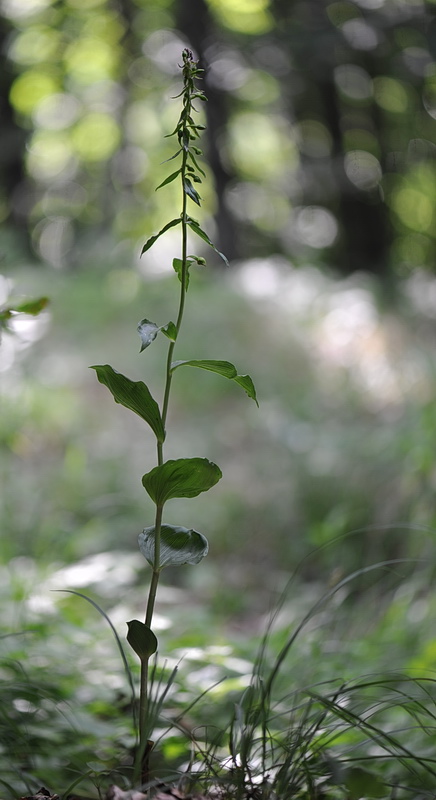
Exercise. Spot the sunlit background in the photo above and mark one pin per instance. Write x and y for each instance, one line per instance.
(321, 189)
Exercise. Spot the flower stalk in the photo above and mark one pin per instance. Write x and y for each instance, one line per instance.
(163, 544)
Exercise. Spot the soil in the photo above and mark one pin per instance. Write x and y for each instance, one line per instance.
(162, 792)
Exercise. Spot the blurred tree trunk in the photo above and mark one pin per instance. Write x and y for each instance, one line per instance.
(194, 20)
(314, 45)
(12, 149)
(365, 231)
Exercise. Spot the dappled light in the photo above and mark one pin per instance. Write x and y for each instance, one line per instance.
(263, 171)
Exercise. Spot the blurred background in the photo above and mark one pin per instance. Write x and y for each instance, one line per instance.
(321, 189)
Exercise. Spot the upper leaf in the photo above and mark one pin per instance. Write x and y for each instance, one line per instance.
(183, 477)
(191, 192)
(248, 386)
(194, 160)
(133, 395)
(150, 242)
(224, 368)
(168, 180)
(177, 546)
(148, 332)
(196, 228)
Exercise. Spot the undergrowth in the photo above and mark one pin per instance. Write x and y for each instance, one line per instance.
(273, 733)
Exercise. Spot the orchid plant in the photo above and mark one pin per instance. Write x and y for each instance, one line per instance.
(163, 544)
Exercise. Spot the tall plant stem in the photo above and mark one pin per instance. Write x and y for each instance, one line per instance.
(143, 701)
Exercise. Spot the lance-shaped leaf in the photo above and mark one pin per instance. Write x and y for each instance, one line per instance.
(32, 306)
(170, 179)
(141, 639)
(150, 242)
(194, 161)
(191, 192)
(196, 228)
(171, 157)
(224, 368)
(147, 331)
(183, 477)
(177, 546)
(133, 395)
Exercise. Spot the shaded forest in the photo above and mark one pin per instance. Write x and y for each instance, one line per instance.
(320, 124)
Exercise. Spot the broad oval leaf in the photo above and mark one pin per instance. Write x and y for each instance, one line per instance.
(182, 477)
(224, 368)
(148, 331)
(177, 546)
(141, 639)
(133, 395)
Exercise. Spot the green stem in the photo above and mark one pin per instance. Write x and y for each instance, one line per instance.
(169, 375)
(143, 701)
(156, 568)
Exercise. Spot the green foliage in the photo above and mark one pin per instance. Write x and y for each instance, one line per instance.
(32, 307)
(223, 368)
(134, 395)
(88, 110)
(313, 736)
(184, 477)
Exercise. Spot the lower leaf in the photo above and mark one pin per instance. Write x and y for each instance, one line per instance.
(141, 639)
(177, 546)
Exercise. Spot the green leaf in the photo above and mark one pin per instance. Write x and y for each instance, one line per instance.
(133, 395)
(361, 783)
(198, 260)
(148, 332)
(224, 368)
(183, 477)
(177, 546)
(191, 192)
(194, 160)
(170, 331)
(248, 386)
(195, 227)
(171, 158)
(150, 242)
(178, 268)
(32, 306)
(168, 180)
(141, 639)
